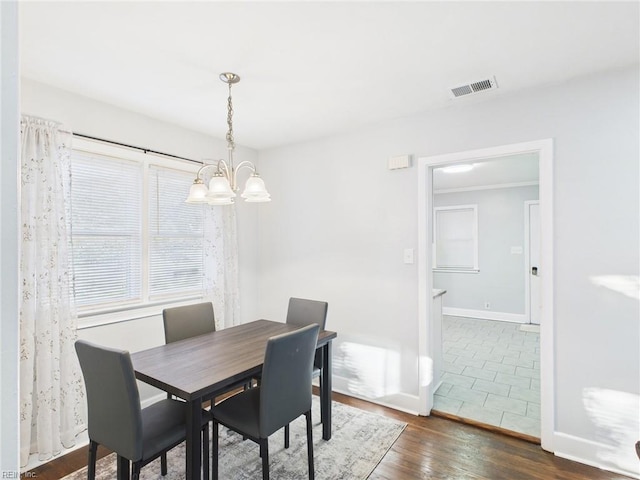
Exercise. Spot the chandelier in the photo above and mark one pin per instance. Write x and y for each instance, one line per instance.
(223, 185)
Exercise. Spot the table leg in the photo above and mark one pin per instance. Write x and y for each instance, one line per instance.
(194, 443)
(325, 389)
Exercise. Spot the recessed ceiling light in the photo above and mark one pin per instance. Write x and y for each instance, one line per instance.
(457, 168)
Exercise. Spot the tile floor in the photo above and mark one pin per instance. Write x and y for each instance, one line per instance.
(491, 374)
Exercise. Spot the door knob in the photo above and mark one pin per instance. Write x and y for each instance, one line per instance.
(534, 271)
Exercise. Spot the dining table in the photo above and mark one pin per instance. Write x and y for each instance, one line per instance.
(197, 368)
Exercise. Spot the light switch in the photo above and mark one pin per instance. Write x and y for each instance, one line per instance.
(516, 250)
(408, 255)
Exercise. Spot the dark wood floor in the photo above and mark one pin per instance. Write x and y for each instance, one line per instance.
(431, 448)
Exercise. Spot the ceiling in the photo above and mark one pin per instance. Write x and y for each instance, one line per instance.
(313, 69)
(511, 169)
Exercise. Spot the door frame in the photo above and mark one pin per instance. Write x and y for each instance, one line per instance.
(426, 164)
(527, 257)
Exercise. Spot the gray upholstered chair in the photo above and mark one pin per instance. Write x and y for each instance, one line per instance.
(116, 420)
(305, 312)
(284, 394)
(188, 321)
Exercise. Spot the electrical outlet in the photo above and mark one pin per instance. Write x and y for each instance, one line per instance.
(487, 305)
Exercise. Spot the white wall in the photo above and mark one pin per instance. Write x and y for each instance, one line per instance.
(342, 220)
(500, 280)
(336, 232)
(9, 234)
(83, 115)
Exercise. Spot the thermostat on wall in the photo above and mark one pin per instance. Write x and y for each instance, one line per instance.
(399, 161)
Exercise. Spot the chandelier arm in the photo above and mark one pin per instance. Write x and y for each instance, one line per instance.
(246, 164)
(203, 168)
(224, 168)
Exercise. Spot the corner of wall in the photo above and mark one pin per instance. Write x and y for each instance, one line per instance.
(9, 203)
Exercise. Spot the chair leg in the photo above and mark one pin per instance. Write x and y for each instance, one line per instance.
(312, 473)
(135, 470)
(322, 406)
(123, 468)
(163, 464)
(205, 452)
(264, 448)
(91, 463)
(286, 436)
(214, 447)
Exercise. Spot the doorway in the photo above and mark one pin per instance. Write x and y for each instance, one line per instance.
(491, 365)
(428, 385)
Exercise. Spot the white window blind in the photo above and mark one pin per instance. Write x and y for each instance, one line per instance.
(106, 230)
(135, 242)
(456, 238)
(175, 235)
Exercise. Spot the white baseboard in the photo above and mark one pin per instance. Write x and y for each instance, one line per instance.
(485, 314)
(403, 402)
(599, 455)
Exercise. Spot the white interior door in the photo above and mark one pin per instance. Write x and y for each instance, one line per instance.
(534, 263)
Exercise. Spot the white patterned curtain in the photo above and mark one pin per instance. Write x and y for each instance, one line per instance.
(221, 264)
(51, 390)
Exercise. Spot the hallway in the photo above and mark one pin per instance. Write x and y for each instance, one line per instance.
(491, 374)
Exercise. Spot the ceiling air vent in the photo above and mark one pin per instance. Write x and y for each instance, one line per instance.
(475, 87)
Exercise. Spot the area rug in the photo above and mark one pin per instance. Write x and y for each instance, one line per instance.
(359, 441)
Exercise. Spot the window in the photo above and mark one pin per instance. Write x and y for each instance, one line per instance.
(455, 234)
(175, 235)
(134, 241)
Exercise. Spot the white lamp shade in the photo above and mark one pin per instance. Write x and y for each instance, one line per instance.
(255, 191)
(197, 193)
(219, 188)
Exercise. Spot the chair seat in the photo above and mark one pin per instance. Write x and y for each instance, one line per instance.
(163, 426)
(241, 412)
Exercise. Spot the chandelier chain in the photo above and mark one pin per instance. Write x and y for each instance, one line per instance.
(230, 142)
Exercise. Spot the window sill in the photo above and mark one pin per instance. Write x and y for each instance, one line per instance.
(92, 319)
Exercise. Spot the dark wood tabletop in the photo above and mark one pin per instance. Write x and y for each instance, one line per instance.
(199, 366)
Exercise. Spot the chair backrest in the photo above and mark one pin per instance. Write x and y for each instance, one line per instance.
(305, 312)
(285, 388)
(113, 401)
(188, 321)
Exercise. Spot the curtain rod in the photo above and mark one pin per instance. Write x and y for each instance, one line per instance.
(145, 150)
